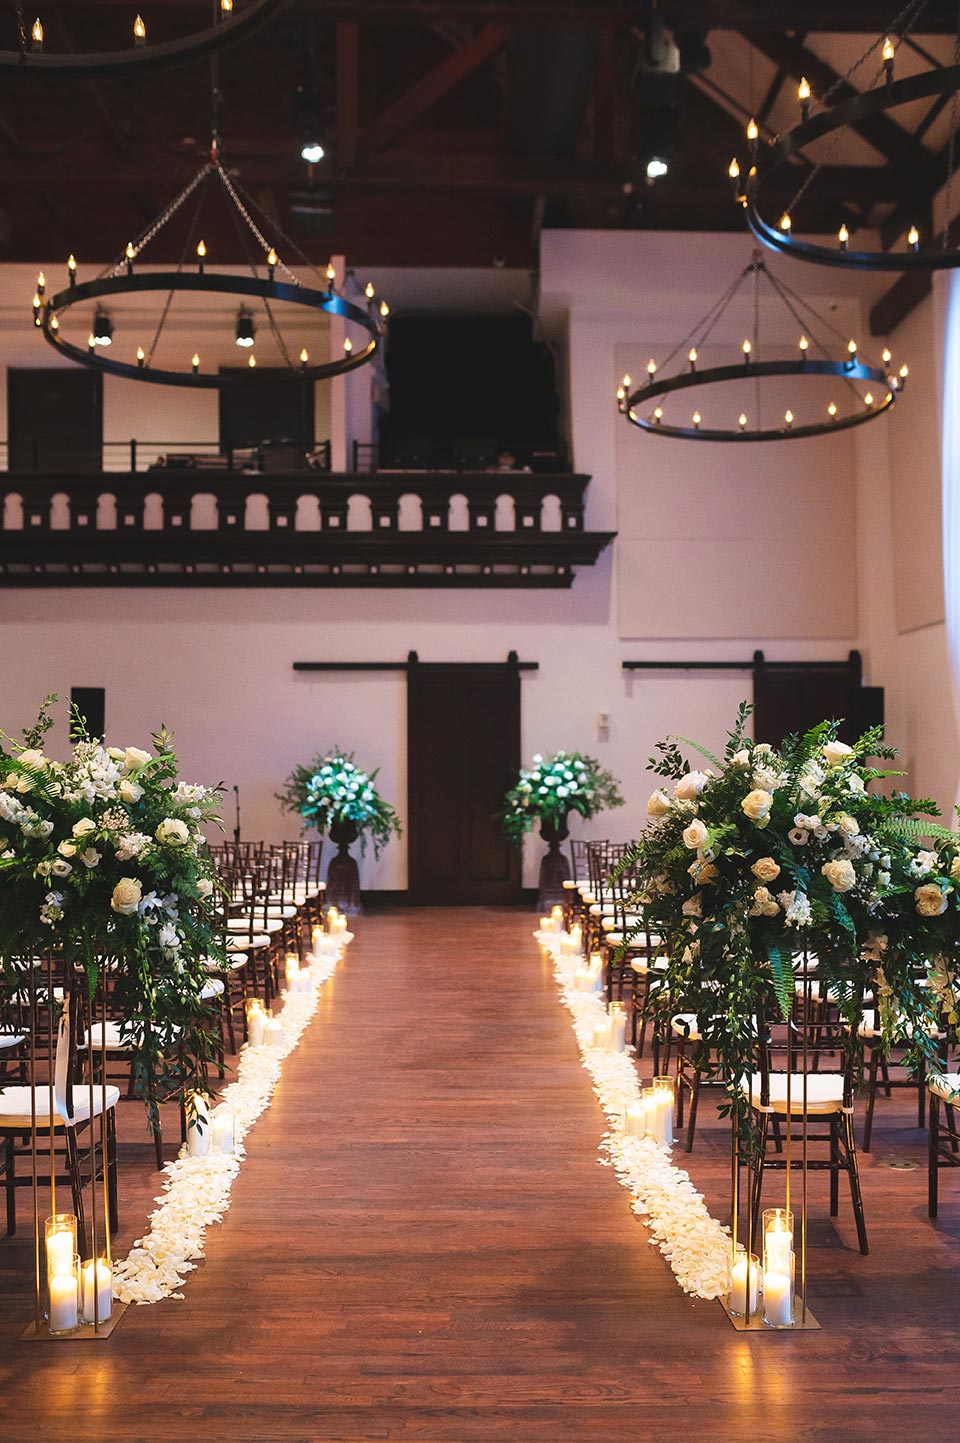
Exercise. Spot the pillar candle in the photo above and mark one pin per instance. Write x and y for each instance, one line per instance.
(273, 1032)
(601, 1033)
(636, 1120)
(198, 1127)
(255, 1025)
(778, 1246)
(582, 980)
(660, 1115)
(738, 1283)
(64, 1303)
(222, 1130)
(292, 974)
(60, 1251)
(101, 1271)
(618, 1032)
(777, 1300)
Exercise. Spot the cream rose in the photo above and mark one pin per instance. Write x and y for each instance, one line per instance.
(204, 887)
(83, 827)
(848, 825)
(173, 833)
(765, 869)
(764, 904)
(134, 758)
(756, 805)
(930, 901)
(67, 849)
(703, 873)
(130, 791)
(659, 803)
(695, 835)
(955, 870)
(32, 758)
(126, 896)
(836, 753)
(840, 874)
(689, 787)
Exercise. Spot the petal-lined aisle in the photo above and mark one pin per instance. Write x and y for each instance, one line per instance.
(422, 1246)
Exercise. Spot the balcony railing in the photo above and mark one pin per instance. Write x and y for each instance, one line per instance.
(200, 527)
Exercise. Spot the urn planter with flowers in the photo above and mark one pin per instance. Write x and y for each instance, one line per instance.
(548, 792)
(333, 795)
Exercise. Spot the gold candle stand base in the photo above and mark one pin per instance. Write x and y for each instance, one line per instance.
(757, 1325)
(85, 1333)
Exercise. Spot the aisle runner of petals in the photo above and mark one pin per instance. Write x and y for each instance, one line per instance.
(197, 1189)
(694, 1243)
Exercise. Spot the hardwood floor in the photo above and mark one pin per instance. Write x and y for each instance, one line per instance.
(422, 1247)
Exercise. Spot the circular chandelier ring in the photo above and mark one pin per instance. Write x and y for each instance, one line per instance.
(329, 302)
(860, 107)
(145, 57)
(854, 370)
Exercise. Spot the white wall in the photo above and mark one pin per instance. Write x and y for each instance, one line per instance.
(217, 666)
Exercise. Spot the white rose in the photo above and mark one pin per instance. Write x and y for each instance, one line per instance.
(90, 858)
(130, 791)
(134, 758)
(32, 758)
(695, 835)
(204, 887)
(955, 870)
(60, 868)
(81, 828)
(848, 825)
(126, 896)
(840, 874)
(689, 787)
(173, 833)
(741, 758)
(756, 805)
(66, 849)
(836, 753)
(765, 869)
(116, 754)
(659, 803)
(931, 902)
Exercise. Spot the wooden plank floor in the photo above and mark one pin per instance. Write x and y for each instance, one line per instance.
(422, 1246)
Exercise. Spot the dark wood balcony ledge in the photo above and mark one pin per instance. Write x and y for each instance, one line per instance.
(140, 529)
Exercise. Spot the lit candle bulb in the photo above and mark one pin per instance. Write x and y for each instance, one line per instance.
(348, 345)
(658, 414)
(304, 357)
(692, 358)
(904, 372)
(271, 262)
(195, 363)
(868, 399)
(651, 367)
(627, 381)
(832, 411)
(130, 253)
(733, 169)
(889, 53)
(747, 348)
(91, 341)
(37, 310)
(72, 269)
(913, 238)
(753, 131)
(41, 284)
(788, 418)
(804, 346)
(843, 236)
(368, 291)
(140, 356)
(742, 421)
(785, 221)
(226, 6)
(36, 35)
(696, 420)
(331, 273)
(803, 95)
(54, 324)
(139, 31)
(852, 347)
(201, 255)
(252, 363)
(384, 309)
(621, 394)
(886, 356)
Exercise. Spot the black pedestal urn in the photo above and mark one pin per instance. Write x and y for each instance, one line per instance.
(343, 877)
(554, 865)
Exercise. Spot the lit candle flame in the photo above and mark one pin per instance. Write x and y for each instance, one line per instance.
(384, 309)
(201, 249)
(886, 356)
(348, 345)
(913, 236)
(904, 372)
(785, 221)
(139, 29)
(804, 343)
(36, 34)
(747, 348)
(195, 363)
(843, 235)
(304, 357)
(868, 399)
(831, 409)
(252, 363)
(752, 131)
(696, 418)
(733, 169)
(130, 252)
(368, 290)
(271, 257)
(803, 89)
(692, 355)
(788, 417)
(331, 273)
(889, 51)
(743, 420)
(852, 347)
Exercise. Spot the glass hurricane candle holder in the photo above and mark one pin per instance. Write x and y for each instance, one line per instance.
(63, 1314)
(198, 1124)
(601, 1033)
(60, 1242)
(743, 1297)
(778, 1268)
(635, 1118)
(222, 1132)
(256, 1021)
(660, 1105)
(96, 1282)
(618, 1027)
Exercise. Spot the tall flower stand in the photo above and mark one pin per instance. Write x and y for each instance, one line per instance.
(554, 865)
(343, 876)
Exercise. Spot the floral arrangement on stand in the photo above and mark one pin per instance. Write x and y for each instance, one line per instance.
(548, 792)
(765, 856)
(331, 792)
(104, 861)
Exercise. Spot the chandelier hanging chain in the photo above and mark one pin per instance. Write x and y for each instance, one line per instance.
(788, 296)
(147, 235)
(274, 328)
(168, 302)
(254, 228)
(709, 320)
(757, 267)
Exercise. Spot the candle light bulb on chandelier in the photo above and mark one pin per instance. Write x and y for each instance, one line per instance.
(785, 221)
(304, 357)
(913, 238)
(621, 394)
(803, 95)
(201, 255)
(753, 131)
(252, 363)
(886, 356)
(195, 363)
(384, 309)
(733, 169)
(692, 358)
(843, 236)
(788, 419)
(54, 324)
(627, 382)
(91, 341)
(331, 273)
(904, 372)
(742, 421)
(141, 357)
(368, 291)
(889, 54)
(37, 313)
(868, 399)
(658, 414)
(804, 345)
(696, 420)
(41, 284)
(747, 348)
(832, 411)
(139, 31)
(348, 345)
(72, 269)
(651, 367)
(226, 7)
(130, 253)
(852, 348)
(36, 35)
(271, 262)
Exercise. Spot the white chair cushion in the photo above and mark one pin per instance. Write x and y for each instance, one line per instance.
(15, 1105)
(12, 1039)
(642, 965)
(824, 1093)
(213, 987)
(686, 1025)
(237, 944)
(946, 1085)
(569, 886)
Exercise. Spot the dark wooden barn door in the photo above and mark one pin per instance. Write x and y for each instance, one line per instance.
(793, 697)
(55, 419)
(463, 749)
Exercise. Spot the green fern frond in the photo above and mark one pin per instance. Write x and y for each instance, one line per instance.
(702, 750)
(782, 979)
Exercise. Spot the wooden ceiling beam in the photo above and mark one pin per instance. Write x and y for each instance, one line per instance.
(391, 123)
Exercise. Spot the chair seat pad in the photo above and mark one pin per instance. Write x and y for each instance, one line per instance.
(643, 965)
(686, 1025)
(213, 987)
(824, 1093)
(247, 944)
(945, 1085)
(569, 885)
(118, 1038)
(12, 1039)
(15, 1106)
(234, 962)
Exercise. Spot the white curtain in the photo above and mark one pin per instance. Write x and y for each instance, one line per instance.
(950, 471)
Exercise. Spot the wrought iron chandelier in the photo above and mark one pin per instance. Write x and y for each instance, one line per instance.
(816, 359)
(230, 22)
(271, 280)
(824, 120)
